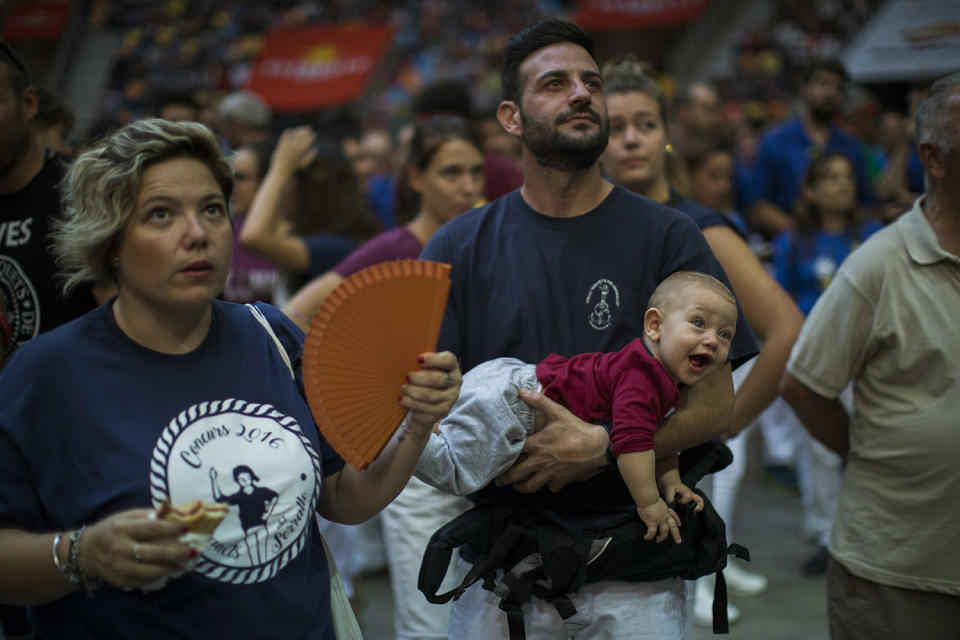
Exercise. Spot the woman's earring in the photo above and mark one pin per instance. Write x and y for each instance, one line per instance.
(669, 148)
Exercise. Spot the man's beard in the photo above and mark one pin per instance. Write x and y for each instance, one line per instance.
(823, 115)
(556, 150)
(14, 147)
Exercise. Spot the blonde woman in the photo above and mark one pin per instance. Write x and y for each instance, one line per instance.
(141, 398)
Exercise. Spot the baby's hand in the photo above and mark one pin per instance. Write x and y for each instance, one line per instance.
(660, 520)
(685, 494)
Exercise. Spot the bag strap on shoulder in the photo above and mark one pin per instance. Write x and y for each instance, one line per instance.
(266, 325)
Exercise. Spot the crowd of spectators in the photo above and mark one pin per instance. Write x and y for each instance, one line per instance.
(851, 168)
(207, 48)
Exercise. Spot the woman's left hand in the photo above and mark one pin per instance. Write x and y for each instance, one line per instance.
(431, 391)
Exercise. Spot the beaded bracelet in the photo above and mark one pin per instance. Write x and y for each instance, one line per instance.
(71, 571)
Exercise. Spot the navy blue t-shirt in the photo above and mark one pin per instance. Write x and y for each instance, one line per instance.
(701, 215)
(92, 423)
(525, 285)
(326, 251)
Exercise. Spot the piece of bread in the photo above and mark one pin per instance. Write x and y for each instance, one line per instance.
(196, 515)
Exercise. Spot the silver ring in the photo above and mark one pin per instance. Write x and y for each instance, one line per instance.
(448, 381)
(136, 552)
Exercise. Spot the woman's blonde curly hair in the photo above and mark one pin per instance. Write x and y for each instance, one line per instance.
(100, 190)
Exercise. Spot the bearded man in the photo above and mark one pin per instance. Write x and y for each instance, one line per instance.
(29, 200)
(566, 264)
(787, 149)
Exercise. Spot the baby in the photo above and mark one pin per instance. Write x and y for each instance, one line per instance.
(688, 327)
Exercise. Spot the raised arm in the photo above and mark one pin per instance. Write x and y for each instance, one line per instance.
(352, 496)
(264, 231)
(772, 315)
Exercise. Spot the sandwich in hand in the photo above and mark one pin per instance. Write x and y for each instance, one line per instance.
(196, 515)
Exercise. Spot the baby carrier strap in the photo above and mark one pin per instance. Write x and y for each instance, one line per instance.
(698, 461)
(519, 555)
(474, 528)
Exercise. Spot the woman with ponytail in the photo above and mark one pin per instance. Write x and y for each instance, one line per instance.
(640, 158)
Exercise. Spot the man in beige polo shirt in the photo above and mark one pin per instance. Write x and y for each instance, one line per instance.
(889, 322)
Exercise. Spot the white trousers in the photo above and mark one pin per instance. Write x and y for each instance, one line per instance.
(725, 484)
(605, 611)
(819, 470)
(820, 473)
(341, 540)
(783, 435)
(408, 522)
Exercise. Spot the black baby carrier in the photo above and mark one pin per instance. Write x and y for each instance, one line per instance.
(519, 555)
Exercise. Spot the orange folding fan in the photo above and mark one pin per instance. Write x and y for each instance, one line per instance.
(362, 342)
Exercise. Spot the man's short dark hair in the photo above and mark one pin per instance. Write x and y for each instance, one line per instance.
(534, 37)
(444, 97)
(13, 61)
(830, 65)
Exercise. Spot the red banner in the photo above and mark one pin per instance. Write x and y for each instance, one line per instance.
(308, 68)
(41, 21)
(624, 15)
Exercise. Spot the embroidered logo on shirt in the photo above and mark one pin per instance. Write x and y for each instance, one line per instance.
(256, 461)
(19, 300)
(604, 301)
(823, 268)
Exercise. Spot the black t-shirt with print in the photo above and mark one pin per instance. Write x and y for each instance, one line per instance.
(29, 287)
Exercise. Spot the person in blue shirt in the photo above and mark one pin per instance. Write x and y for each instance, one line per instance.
(150, 397)
(827, 230)
(806, 259)
(787, 148)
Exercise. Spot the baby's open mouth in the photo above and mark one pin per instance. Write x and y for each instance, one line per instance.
(700, 360)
